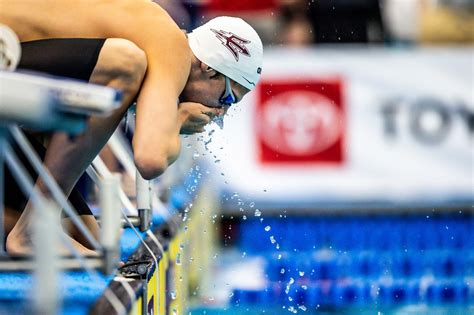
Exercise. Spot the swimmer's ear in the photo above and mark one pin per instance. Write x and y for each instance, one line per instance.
(209, 72)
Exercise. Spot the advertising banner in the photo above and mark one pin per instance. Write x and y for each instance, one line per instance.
(353, 126)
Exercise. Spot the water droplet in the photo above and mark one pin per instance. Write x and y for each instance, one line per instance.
(252, 204)
(282, 271)
(301, 273)
(217, 161)
(215, 256)
(195, 155)
(173, 295)
(302, 307)
(267, 228)
(304, 287)
(258, 213)
(178, 258)
(279, 256)
(188, 145)
(272, 239)
(244, 217)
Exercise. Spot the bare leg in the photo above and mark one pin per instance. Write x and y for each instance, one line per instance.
(121, 65)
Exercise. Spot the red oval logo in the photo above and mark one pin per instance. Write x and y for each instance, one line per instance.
(300, 123)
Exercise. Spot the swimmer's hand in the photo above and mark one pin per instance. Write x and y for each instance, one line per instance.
(195, 116)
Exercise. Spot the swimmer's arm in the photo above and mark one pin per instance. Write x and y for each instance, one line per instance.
(156, 142)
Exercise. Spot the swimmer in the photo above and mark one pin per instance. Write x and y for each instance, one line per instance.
(179, 82)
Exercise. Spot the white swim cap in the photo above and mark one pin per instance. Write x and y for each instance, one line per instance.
(231, 46)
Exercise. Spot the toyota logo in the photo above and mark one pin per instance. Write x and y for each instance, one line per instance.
(300, 123)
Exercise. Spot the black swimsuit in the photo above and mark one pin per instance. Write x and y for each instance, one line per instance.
(71, 58)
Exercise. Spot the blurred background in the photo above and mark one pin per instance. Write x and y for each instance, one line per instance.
(344, 183)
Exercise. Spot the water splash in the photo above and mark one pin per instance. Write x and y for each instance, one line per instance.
(272, 239)
(287, 289)
(178, 258)
(173, 295)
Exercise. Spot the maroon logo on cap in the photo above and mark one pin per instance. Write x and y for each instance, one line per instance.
(234, 43)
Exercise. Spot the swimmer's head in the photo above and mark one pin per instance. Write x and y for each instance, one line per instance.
(230, 46)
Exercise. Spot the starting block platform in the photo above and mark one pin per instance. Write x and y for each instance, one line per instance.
(49, 103)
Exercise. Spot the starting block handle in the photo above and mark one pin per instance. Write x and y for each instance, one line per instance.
(143, 201)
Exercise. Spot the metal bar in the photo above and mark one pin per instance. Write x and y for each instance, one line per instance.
(143, 201)
(35, 196)
(102, 171)
(56, 192)
(69, 263)
(118, 146)
(111, 221)
(2, 189)
(145, 296)
(44, 258)
(46, 269)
